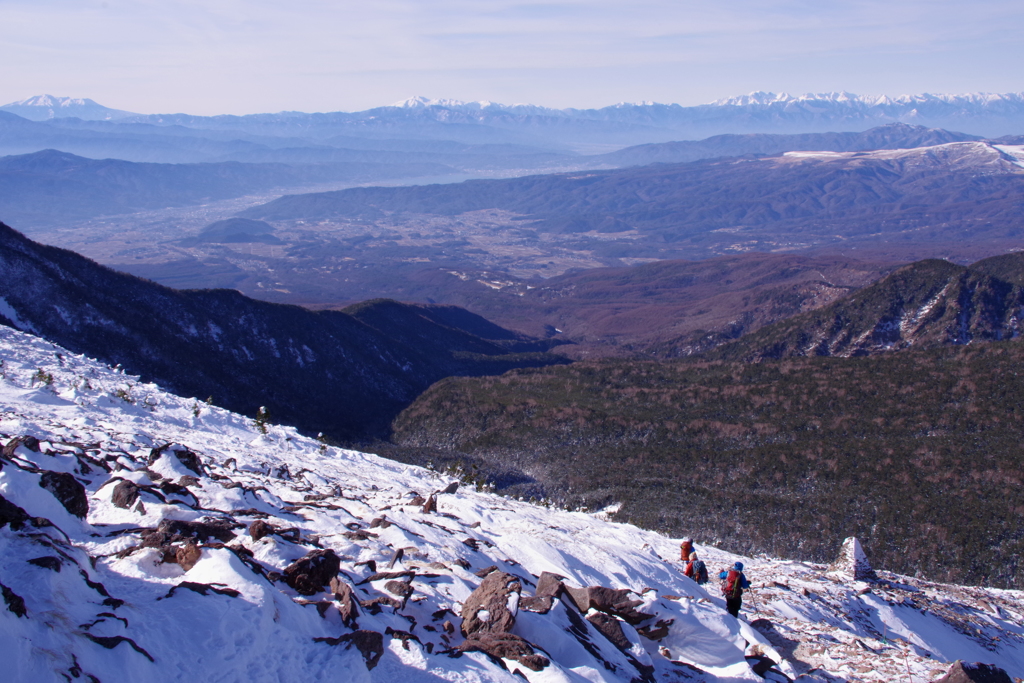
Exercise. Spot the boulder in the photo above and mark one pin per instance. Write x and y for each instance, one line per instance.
(399, 588)
(68, 490)
(51, 562)
(486, 610)
(975, 672)
(549, 587)
(431, 505)
(311, 573)
(852, 563)
(369, 643)
(125, 494)
(451, 488)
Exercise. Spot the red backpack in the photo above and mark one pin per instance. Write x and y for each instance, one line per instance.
(732, 586)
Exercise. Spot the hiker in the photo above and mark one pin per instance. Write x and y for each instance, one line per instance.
(696, 570)
(685, 548)
(733, 585)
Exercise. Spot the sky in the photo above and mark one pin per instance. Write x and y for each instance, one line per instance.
(246, 56)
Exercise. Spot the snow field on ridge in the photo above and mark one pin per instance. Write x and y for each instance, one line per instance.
(822, 627)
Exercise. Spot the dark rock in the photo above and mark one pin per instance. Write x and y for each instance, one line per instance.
(344, 598)
(259, 529)
(47, 562)
(186, 457)
(399, 588)
(381, 522)
(170, 488)
(125, 494)
(397, 557)
(418, 500)
(188, 555)
(29, 442)
(976, 672)
(15, 603)
(486, 570)
(760, 664)
(403, 636)
(459, 562)
(202, 589)
(201, 531)
(155, 539)
(359, 535)
(491, 596)
(472, 543)
(610, 628)
(505, 646)
(68, 490)
(608, 600)
(11, 514)
(451, 488)
(110, 642)
(369, 643)
(373, 605)
(431, 505)
(140, 508)
(311, 573)
(188, 480)
(379, 576)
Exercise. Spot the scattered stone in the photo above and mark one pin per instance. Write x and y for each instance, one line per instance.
(472, 543)
(760, 664)
(202, 589)
(359, 535)
(397, 557)
(140, 508)
(451, 488)
(369, 643)
(186, 457)
(68, 490)
(418, 501)
(201, 531)
(381, 522)
(403, 636)
(976, 672)
(311, 573)
(188, 555)
(486, 609)
(29, 442)
(459, 562)
(505, 646)
(549, 585)
(259, 529)
(172, 489)
(541, 605)
(608, 600)
(12, 514)
(610, 628)
(373, 605)
(431, 505)
(15, 603)
(125, 494)
(399, 588)
(486, 570)
(50, 562)
(852, 563)
(110, 642)
(344, 598)
(188, 480)
(658, 631)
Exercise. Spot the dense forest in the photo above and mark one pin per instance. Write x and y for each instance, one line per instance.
(916, 452)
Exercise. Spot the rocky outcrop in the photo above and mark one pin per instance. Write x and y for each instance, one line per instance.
(11, 514)
(506, 646)
(616, 602)
(311, 573)
(259, 529)
(29, 442)
(344, 598)
(187, 458)
(68, 490)
(852, 563)
(976, 672)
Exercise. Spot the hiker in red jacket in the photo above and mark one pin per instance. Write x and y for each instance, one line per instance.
(733, 585)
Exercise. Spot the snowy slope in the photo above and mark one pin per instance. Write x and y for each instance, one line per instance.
(103, 606)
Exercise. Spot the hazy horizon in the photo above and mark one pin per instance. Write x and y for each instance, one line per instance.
(247, 57)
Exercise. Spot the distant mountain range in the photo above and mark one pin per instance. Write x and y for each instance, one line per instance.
(580, 130)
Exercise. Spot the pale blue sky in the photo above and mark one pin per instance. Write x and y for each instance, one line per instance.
(245, 56)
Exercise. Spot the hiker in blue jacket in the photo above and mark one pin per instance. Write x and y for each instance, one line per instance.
(733, 585)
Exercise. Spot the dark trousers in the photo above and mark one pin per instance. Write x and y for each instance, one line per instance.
(732, 605)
